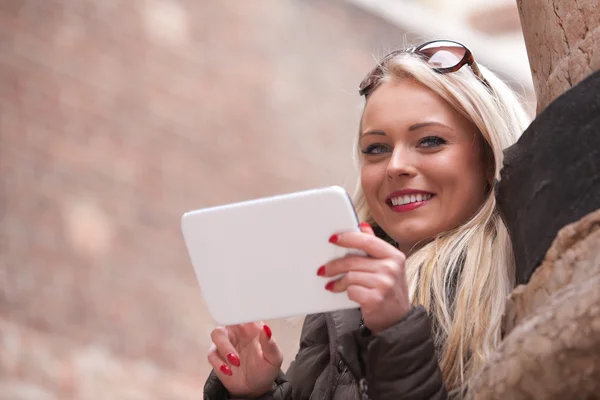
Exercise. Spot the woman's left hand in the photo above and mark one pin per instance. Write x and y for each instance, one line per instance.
(377, 281)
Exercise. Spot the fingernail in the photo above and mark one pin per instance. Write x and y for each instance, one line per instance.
(321, 271)
(268, 331)
(226, 370)
(334, 239)
(365, 225)
(233, 359)
(329, 285)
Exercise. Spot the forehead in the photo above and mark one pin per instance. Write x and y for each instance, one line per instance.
(406, 102)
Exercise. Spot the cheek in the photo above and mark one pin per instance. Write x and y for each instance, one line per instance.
(458, 167)
(463, 181)
(371, 178)
(444, 172)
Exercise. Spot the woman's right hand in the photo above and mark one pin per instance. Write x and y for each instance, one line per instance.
(245, 358)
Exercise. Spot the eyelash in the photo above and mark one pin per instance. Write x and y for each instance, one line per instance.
(369, 149)
(436, 140)
(428, 142)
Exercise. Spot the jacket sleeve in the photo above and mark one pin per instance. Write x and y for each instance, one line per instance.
(399, 362)
(215, 390)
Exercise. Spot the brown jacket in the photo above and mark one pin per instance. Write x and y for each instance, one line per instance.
(338, 360)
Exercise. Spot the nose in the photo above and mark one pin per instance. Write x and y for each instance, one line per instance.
(401, 163)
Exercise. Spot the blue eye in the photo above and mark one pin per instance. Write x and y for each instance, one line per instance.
(375, 149)
(432, 141)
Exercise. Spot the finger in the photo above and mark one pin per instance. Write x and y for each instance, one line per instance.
(225, 349)
(243, 332)
(370, 244)
(358, 278)
(219, 365)
(348, 263)
(271, 351)
(364, 296)
(365, 227)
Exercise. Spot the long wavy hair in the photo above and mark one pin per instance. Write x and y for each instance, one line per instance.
(462, 276)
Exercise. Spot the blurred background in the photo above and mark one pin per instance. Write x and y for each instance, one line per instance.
(117, 116)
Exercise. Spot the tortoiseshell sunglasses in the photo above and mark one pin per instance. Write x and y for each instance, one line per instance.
(443, 56)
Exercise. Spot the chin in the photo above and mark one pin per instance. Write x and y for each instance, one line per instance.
(408, 238)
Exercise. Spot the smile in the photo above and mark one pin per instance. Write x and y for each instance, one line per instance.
(399, 202)
(407, 199)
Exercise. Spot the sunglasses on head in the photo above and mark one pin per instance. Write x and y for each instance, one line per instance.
(443, 56)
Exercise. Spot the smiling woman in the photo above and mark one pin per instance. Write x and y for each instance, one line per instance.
(443, 134)
(438, 263)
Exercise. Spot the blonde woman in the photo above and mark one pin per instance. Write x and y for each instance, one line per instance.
(439, 264)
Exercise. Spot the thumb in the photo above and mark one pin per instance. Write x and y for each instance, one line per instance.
(271, 351)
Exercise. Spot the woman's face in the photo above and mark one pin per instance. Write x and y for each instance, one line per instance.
(423, 171)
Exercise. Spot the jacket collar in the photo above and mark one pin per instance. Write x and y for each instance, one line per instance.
(338, 324)
(343, 321)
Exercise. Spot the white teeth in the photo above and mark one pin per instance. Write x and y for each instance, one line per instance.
(399, 201)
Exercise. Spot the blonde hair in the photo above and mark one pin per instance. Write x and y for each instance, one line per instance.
(462, 276)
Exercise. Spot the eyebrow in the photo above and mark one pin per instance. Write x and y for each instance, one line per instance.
(426, 124)
(412, 128)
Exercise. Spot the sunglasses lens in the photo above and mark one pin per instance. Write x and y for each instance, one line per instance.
(443, 54)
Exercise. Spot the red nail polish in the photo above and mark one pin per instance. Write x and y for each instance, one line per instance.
(268, 331)
(321, 271)
(226, 370)
(329, 285)
(365, 225)
(334, 239)
(233, 359)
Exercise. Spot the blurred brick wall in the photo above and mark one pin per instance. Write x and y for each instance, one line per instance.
(115, 118)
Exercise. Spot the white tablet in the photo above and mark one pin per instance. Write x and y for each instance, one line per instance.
(258, 260)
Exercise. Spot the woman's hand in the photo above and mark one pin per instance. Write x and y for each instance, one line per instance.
(245, 358)
(377, 281)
